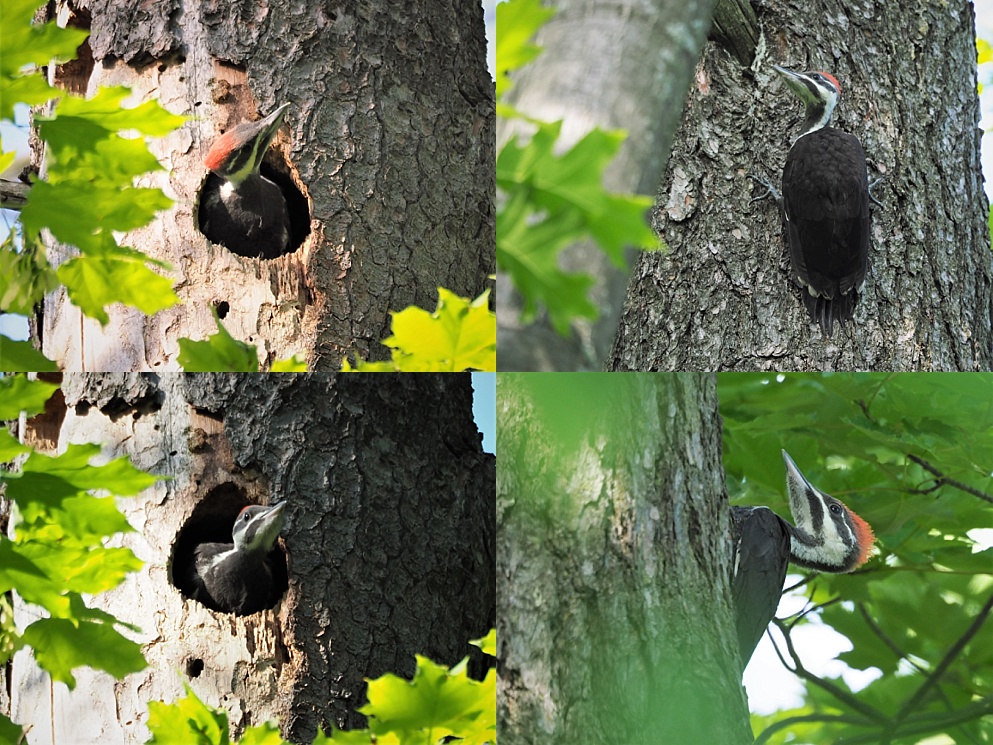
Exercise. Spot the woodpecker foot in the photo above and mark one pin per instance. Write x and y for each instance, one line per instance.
(873, 198)
(770, 190)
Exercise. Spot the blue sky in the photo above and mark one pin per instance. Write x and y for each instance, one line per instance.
(484, 407)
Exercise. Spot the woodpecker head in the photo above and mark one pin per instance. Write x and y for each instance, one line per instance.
(237, 154)
(819, 91)
(828, 536)
(257, 528)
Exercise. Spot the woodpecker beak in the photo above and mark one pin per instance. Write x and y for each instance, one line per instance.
(797, 82)
(270, 125)
(828, 536)
(265, 527)
(238, 153)
(796, 481)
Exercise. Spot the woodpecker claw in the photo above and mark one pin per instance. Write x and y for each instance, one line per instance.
(871, 196)
(769, 190)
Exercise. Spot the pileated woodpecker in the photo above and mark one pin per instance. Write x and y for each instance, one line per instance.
(827, 537)
(240, 208)
(825, 204)
(238, 577)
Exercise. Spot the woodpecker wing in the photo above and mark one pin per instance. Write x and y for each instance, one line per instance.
(762, 543)
(826, 203)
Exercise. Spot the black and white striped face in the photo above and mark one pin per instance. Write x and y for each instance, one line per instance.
(257, 527)
(819, 91)
(825, 537)
(238, 153)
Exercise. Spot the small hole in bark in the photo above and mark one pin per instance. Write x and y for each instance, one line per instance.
(222, 309)
(194, 667)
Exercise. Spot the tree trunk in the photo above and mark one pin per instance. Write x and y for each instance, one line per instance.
(386, 151)
(388, 543)
(723, 298)
(615, 617)
(614, 66)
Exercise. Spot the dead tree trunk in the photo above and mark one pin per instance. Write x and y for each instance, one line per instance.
(615, 619)
(386, 156)
(388, 544)
(723, 298)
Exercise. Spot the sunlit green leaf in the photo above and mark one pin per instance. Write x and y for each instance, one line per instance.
(219, 353)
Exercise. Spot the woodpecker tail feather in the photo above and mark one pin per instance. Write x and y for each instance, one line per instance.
(825, 311)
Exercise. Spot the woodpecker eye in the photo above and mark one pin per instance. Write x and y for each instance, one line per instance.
(835, 509)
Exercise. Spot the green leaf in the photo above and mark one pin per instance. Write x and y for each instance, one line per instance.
(45, 482)
(21, 356)
(25, 43)
(487, 643)
(15, 566)
(436, 703)
(266, 733)
(187, 721)
(10, 448)
(82, 212)
(459, 335)
(296, 363)
(25, 275)
(10, 732)
(29, 45)
(554, 201)
(60, 646)
(106, 111)
(351, 737)
(95, 282)
(517, 22)
(18, 394)
(220, 353)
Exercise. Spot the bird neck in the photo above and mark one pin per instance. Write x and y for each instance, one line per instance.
(818, 117)
(825, 551)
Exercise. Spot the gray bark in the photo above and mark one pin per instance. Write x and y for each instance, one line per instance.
(617, 65)
(389, 139)
(389, 543)
(615, 619)
(723, 298)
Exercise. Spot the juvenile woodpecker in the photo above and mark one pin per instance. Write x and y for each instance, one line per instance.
(824, 204)
(827, 537)
(237, 577)
(240, 208)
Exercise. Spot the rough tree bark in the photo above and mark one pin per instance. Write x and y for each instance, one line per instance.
(723, 299)
(389, 542)
(615, 619)
(389, 140)
(615, 66)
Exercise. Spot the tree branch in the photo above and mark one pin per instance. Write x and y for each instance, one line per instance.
(922, 724)
(13, 194)
(943, 480)
(843, 696)
(915, 700)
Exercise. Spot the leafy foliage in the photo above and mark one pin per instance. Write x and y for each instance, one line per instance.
(550, 201)
(57, 553)
(439, 704)
(220, 352)
(459, 335)
(88, 192)
(912, 454)
(517, 23)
